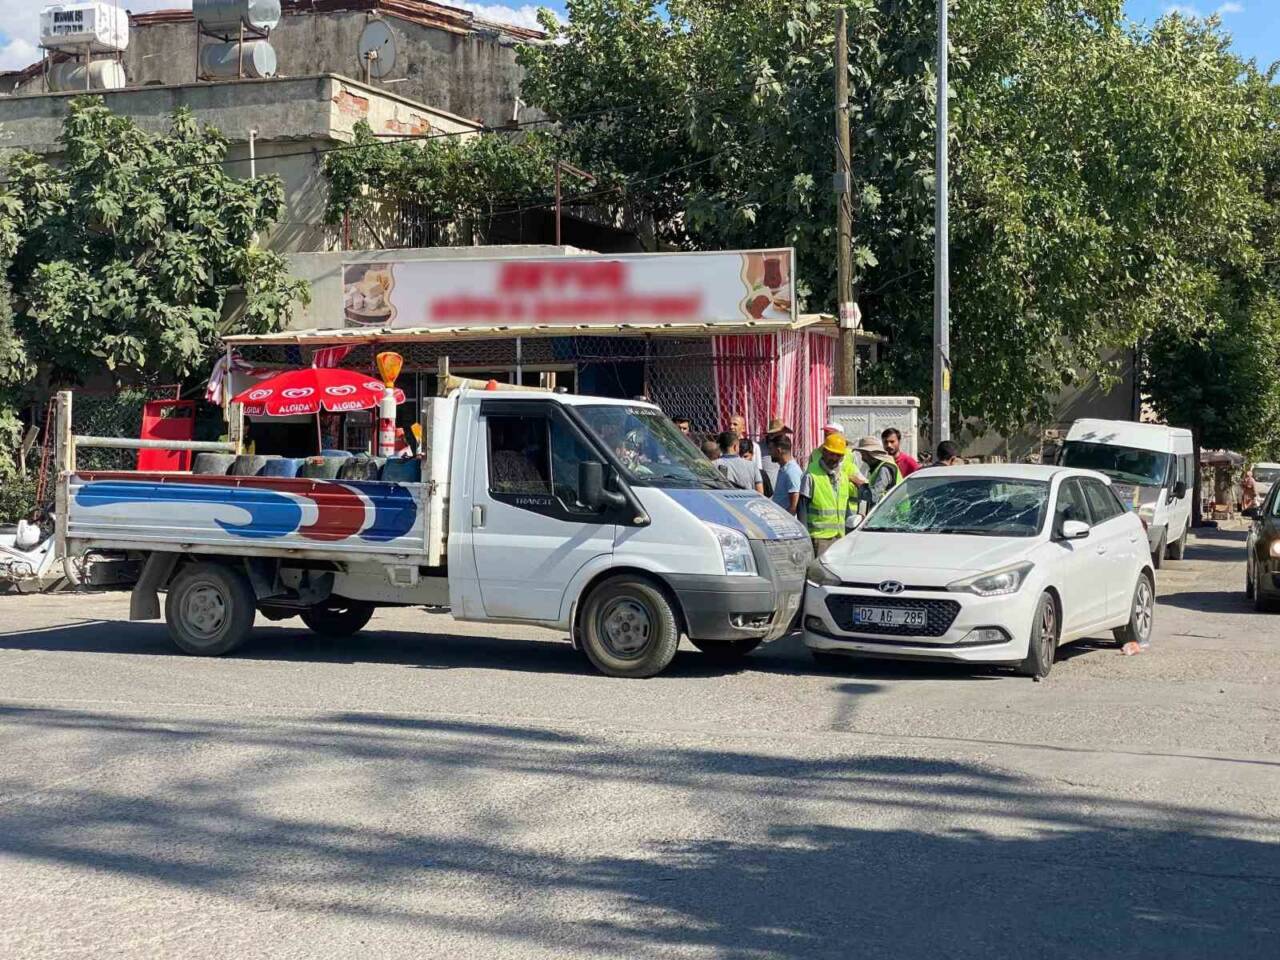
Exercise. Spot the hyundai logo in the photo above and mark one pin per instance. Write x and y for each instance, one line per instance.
(890, 586)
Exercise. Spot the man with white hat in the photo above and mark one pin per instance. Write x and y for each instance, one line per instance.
(882, 471)
(850, 461)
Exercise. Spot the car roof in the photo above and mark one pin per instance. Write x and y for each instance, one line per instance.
(1010, 471)
(568, 399)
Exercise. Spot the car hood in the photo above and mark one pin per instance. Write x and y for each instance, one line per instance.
(927, 560)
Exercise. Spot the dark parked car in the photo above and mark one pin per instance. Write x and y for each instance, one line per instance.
(1262, 562)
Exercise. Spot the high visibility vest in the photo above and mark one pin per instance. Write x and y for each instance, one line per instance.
(827, 506)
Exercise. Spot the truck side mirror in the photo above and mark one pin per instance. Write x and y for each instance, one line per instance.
(1179, 490)
(591, 489)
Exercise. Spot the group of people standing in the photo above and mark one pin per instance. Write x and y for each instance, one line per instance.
(837, 482)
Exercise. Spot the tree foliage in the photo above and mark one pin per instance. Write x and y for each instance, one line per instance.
(450, 179)
(129, 247)
(1103, 177)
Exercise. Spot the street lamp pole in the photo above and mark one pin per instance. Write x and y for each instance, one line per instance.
(942, 257)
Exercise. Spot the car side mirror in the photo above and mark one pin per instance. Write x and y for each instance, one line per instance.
(1074, 530)
(1253, 513)
(856, 521)
(591, 489)
(1179, 490)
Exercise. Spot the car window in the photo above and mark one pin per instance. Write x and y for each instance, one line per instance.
(1103, 504)
(519, 461)
(1071, 503)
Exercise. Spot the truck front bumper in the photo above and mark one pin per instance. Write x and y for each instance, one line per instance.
(747, 608)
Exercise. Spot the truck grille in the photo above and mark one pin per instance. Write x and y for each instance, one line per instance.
(788, 559)
(939, 614)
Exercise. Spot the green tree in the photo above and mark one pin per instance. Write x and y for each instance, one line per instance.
(129, 247)
(1101, 171)
(451, 180)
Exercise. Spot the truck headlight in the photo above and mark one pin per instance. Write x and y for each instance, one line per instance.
(735, 548)
(997, 583)
(820, 576)
(1147, 513)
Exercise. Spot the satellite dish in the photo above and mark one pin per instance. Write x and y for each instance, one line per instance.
(377, 49)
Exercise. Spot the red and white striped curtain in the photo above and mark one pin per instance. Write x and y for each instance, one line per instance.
(787, 375)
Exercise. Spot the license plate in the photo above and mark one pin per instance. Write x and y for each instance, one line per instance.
(888, 617)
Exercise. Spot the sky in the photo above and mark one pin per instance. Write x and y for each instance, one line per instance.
(1255, 24)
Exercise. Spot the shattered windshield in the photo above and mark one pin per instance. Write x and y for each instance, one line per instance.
(651, 449)
(1122, 464)
(935, 502)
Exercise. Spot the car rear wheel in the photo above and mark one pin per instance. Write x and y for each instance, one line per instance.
(1141, 614)
(1043, 645)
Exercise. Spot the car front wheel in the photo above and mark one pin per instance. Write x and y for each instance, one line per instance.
(1043, 646)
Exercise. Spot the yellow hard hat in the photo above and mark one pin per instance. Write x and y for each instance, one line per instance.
(836, 444)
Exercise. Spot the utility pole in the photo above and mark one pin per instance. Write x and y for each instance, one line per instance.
(847, 369)
(942, 253)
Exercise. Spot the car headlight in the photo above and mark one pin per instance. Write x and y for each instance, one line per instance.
(1147, 513)
(735, 548)
(1274, 549)
(821, 576)
(997, 583)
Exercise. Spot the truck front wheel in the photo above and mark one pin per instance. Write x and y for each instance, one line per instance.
(628, 628)
(209, 609)
(337, 617)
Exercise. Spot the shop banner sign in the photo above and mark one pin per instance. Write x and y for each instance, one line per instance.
(598, 291)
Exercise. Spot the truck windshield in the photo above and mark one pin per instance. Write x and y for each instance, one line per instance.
(1123, 464)
(1266, 474)
(651, 450)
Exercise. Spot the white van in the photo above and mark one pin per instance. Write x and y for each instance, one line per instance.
(1152, 470)
(1264, 475)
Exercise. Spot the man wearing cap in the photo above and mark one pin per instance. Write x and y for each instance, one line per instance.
(850, 461)
(826, 493)
(882, 472)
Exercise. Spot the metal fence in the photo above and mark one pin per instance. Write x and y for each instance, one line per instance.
(102, 413)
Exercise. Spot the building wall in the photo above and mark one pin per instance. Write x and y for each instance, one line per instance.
(471, 72)
(296, 121)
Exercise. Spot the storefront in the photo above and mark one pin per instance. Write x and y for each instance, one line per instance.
(704, 336)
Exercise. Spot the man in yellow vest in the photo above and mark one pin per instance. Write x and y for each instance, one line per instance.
(825, 494)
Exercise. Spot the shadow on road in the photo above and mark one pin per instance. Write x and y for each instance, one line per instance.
(965, 860)
(448, 651)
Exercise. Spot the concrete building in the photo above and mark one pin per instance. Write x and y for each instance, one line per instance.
(445, 56)
(295, 120)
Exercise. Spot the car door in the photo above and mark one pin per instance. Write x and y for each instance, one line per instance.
(1119, 544)
(1082, 582)
(530, 532)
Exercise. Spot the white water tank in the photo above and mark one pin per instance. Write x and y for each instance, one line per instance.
(103, 75)
(257, 60)
(225, 16)
(104, 27)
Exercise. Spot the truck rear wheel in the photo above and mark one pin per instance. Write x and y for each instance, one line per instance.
(337, 617)
(209, 609)
(628, 628)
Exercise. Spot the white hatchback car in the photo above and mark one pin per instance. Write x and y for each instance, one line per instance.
(991, 564)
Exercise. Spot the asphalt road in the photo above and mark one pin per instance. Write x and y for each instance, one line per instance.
(469, 795)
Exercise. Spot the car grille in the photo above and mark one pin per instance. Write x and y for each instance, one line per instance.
(788, 559)
(939, 614)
